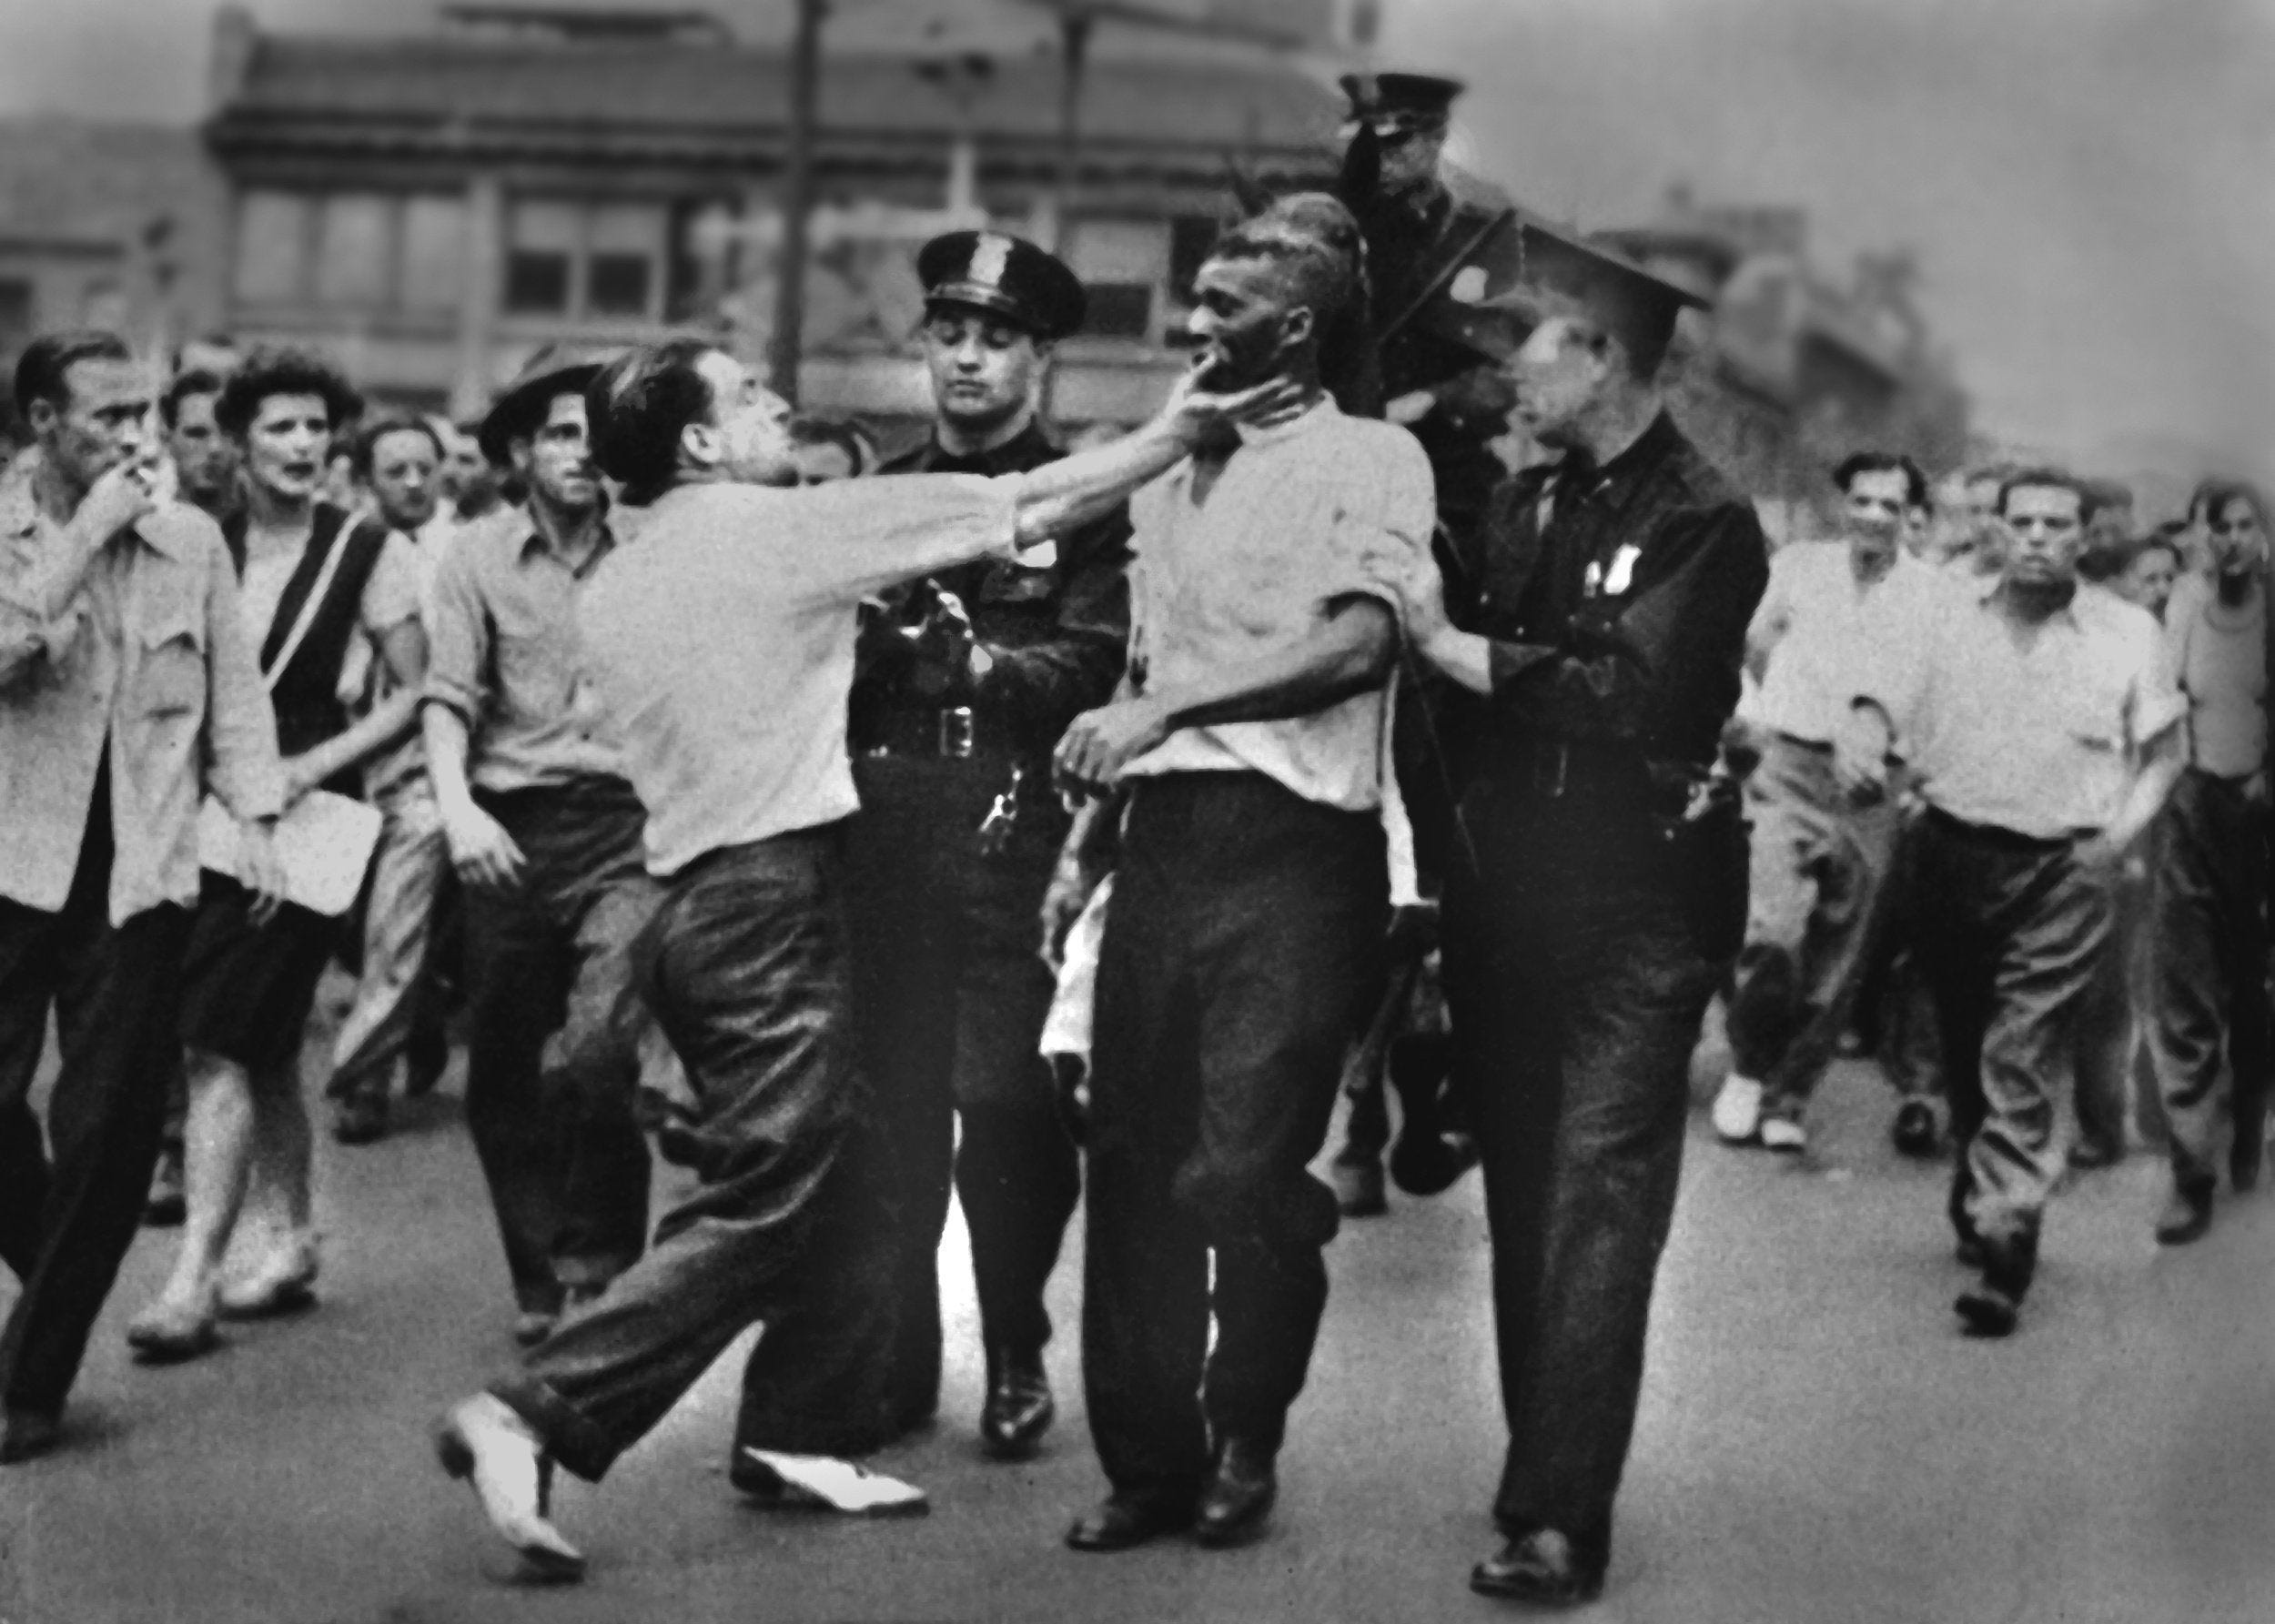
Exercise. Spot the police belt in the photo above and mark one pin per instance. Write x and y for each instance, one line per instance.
(949, 732)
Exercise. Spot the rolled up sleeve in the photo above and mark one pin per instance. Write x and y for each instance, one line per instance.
(457, 639)
(241, 756)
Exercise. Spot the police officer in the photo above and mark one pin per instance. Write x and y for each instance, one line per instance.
(1439, 244)
(965, 682)
(1596, 631)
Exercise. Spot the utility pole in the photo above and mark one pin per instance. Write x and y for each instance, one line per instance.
(797, 202)
(1074, 27)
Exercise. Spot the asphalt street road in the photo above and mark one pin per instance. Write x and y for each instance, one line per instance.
(1817, 1444)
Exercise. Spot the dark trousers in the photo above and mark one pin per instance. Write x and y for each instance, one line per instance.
(951, 995)
(1577, 987)
(2210, 996)
(1242, 949)
(744, 966)
(552, 1062)
(65, 1227)
(2012, 933)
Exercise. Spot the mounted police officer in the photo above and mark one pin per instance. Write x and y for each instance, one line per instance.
(967, 681)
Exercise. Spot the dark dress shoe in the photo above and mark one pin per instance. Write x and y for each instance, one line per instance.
(1915, 1133)
(2185, 1217)
(30, 1434)
(1018, 1409)
(1129, 1517)
(1543, 1567)
(1358, 1188)
(532, 1326)
(360, 1119)
(1988, 1310)
(1240, 1495)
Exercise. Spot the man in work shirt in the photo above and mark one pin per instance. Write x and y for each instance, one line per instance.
(1820, 860)
(2039, 722)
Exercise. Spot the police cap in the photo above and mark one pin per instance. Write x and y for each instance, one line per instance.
(1394, 103)
(1004, 276)
(1556, 273)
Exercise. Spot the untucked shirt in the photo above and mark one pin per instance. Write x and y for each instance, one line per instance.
(1826, 623)
(501, 653)
(2217, 658)
(1300, 519)
(150, 655)
(720, 641)
(2035, 732)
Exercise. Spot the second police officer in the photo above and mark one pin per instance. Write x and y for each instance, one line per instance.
(965, 682)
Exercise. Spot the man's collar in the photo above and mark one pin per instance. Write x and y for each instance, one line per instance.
(1264, 434)
(535, 538)
(1612, 482)
(1029, 435)
(1989, 587)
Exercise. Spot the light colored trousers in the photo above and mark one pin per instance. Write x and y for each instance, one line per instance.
(406, 874)
(1817, 883)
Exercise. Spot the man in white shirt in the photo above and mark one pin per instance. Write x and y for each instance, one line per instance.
(2039, 722)
(2210, 994)
(720, 647)
(1246, 932)
(1820, 858)
(399, 459)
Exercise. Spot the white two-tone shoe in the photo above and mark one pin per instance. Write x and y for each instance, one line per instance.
(484, 1442)
(823, 1483)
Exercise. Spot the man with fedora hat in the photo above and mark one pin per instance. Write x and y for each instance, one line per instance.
(544, 832)
(1595, 627)
(965, 679)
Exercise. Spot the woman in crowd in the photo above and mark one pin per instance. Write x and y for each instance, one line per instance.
(311, 581)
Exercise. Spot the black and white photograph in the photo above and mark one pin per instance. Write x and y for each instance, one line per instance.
(1032, 811)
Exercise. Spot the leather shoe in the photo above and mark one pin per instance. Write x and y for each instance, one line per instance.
(532, 1326)
(1543, 1567)
(1988, 1310)
(1240, 1495)
(30, 1434)
(1018, 1410)
(2185, 1217)
(1917, 1134)
(284, 1285)
(169, 1332)
(1127, 1518)
(360, 1119)
(493, 1450)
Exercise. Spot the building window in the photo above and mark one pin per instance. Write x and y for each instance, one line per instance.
(541, 243)
(586, 260)
(354, 252)
(1125, 268)
(623, 272)
(434, 253)
(272, 237)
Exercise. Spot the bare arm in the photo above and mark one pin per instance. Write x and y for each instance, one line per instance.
(482, 851)
(1074, 491)
(1348, 653)
(404, 651)
(2159, 769)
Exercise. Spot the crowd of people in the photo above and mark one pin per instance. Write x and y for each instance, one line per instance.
(747, 792)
